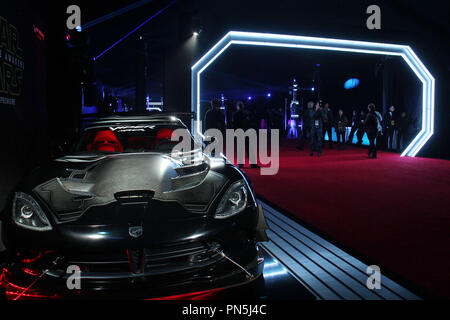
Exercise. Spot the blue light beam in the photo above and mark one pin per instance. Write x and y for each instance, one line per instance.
(135, 29)
(114, 14)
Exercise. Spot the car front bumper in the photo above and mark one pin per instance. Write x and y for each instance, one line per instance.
(224, 254)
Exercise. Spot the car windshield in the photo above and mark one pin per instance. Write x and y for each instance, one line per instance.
(128, 138)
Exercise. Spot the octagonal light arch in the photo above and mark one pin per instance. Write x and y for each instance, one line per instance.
(302, 42)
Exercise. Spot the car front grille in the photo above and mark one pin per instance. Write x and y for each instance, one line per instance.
(147, 261)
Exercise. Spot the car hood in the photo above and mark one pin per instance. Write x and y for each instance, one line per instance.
(129, 178)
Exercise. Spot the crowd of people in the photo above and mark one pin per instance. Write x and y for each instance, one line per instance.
(243, 117)
(318, 122)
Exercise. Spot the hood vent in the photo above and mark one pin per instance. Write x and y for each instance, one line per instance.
(192, 169)
(136, 196)
(189, 176)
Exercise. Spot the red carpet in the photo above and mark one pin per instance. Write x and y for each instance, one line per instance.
(393, 210)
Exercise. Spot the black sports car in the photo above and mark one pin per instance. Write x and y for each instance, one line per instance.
(125, 212)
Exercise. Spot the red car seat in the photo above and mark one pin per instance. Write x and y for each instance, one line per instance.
(161, 135)
(105, 140)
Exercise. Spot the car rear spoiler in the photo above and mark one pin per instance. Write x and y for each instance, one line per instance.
(86, 119)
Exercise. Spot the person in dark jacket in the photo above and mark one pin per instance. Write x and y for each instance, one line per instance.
(371, 126)
(307, 125)
(361, 128)
(277, 121)
(240, 117)
(389, 128)
(328, 121)
(214, 117)
(317, 130)
(402, 131)
(354, 128)
(241, 120)
(341, 128)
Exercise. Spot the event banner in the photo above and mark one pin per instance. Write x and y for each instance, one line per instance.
(12, 64)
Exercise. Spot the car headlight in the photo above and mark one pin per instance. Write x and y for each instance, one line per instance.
(27, 213)
(234, 201)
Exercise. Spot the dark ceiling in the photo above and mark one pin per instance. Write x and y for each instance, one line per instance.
(401, 20)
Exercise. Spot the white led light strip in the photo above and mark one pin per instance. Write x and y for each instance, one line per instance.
(314, 43)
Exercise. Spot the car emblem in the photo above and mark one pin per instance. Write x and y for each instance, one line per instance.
(136, 232)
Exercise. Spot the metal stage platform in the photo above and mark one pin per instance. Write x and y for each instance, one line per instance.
(326, 271)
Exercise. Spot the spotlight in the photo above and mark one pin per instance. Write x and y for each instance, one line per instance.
(249, 98)
(269, 95)
(79, 28)
(196, 31)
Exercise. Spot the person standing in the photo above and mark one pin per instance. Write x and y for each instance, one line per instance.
(307, 125)
(380, 137)
(389, 128)
(328, 124)
(241, 120)
(402, 131)
(354, 128)
(371, 127)
(276, 121)
(361, 130)
(214, 117)
(341, 128)
(254, 122)
(240, 117)
(316, 130)
(279, 121)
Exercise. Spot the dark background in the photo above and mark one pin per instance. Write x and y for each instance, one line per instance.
(49, 107)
